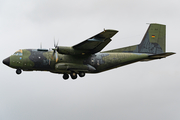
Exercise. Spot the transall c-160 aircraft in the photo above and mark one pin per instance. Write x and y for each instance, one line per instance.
(86, 57)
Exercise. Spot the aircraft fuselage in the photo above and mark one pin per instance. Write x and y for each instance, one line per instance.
(42, 60)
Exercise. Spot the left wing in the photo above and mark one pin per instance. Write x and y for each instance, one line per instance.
(96, 43)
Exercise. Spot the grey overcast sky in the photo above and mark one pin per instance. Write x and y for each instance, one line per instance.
(140, 91)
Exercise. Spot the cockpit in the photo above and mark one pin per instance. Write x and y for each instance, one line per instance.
(18, 53)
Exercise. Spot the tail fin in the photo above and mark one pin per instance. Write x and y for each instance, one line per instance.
(154, 41)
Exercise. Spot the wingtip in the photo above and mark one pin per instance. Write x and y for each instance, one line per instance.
(171, 53)
(111, 30)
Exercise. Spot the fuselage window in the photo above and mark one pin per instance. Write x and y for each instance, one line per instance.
(18, 53)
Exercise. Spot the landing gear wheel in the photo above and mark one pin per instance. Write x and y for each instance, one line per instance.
(18, 71)
(81, 74)
(65, 76)
(73, 75)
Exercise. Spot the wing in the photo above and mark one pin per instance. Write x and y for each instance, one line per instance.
(96, 43)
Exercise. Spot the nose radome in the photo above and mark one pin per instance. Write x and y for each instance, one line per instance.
(6, 61)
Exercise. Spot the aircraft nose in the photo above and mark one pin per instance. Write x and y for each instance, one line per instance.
(6, 61)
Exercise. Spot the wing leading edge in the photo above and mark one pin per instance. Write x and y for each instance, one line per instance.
(96, 43)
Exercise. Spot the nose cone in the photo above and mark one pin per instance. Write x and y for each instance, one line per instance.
(6, 61)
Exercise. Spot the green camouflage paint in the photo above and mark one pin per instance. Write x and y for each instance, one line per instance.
(83, 57)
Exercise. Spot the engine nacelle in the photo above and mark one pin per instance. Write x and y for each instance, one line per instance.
(70, 51)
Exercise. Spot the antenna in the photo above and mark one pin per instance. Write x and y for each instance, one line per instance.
(41, 45)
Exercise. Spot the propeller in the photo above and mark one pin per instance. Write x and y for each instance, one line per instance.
(55, 51)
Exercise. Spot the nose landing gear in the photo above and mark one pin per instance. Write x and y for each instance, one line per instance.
(18, 71)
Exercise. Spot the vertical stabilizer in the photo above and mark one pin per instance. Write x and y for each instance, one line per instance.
(154, 41)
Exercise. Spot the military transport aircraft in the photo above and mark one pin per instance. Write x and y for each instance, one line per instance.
(86, 57)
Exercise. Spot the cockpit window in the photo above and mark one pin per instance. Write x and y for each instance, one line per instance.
(18, 53)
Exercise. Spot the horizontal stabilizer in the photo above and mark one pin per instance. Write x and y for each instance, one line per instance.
(158, 56)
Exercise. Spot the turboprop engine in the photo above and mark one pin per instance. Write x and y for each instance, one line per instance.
(70, 51)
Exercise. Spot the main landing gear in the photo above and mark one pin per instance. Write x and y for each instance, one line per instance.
(73, 75)
(18, 71)
(65, 76)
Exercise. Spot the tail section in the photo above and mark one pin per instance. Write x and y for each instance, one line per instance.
(154, 41)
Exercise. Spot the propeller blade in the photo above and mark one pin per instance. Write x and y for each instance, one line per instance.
(55, 54)
(56, 57)
(52, 55)
(57, 43)
(54, 43)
